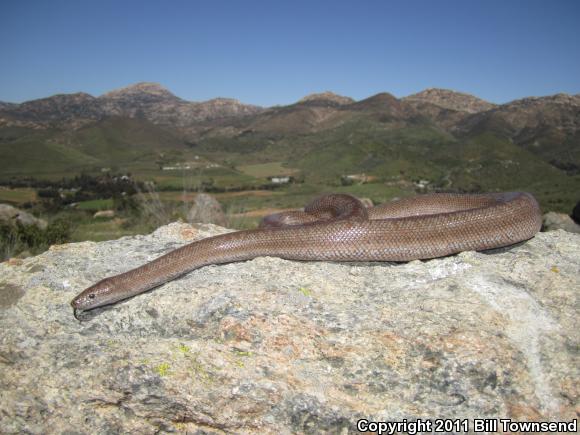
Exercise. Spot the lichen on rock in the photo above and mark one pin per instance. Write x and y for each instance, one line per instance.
(277, 346)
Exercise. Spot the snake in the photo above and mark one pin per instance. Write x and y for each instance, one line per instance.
(338, 227)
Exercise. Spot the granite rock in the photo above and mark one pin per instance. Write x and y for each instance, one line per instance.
(11, 215)
(104, 214)
(559, 221)
(277, 346)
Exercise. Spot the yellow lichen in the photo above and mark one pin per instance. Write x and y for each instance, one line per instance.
(242, 353)
(183, 349)
(305, 291)
(162, 369)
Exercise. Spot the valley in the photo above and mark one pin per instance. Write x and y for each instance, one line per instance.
(257, 160)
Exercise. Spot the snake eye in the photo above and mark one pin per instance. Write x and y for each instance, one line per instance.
(92, 296)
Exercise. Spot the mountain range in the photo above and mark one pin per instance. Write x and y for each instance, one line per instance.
(453, 139)
(454, 111)
(143, 100)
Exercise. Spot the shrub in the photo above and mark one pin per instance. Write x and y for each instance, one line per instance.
(18, 238)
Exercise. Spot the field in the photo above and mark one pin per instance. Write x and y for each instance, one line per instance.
(264, 170)
(17, 196)
(95, 205)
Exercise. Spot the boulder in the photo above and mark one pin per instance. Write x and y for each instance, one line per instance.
(576, 213)
(276, 346)
(104, 214)
(559, 221)
(207, 210)
(10, 215)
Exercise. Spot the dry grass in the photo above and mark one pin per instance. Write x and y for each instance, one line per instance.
(18, 195)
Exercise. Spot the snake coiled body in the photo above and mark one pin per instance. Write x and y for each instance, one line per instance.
(339, 228)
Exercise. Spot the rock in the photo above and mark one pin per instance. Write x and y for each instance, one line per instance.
(576, 213)
(329, 97)
(559, 221)
(367, 202)
(104, 214)
(451, 100)
(277, 346)
(141, 100)
(206, 209)
(10, 215)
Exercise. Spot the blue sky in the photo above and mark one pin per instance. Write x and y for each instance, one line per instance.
(274, 52)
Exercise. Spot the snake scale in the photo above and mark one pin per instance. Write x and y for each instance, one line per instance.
(337, 227)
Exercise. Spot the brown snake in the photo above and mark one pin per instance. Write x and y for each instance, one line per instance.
(338, 227)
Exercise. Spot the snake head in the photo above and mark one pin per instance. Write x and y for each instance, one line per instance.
(95, 296)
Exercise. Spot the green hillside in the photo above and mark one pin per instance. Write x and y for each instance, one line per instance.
(389, 152)
(113, 142)
(120, 141)
(482, 161)
(28, 152)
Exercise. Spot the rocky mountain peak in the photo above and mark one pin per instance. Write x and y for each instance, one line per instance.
(560, 98)
(380, 101)
(74, 110)
(222, 101)
(140, 89)
(222, 108)
(58, 99)
(453, 100)
(327, 96)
